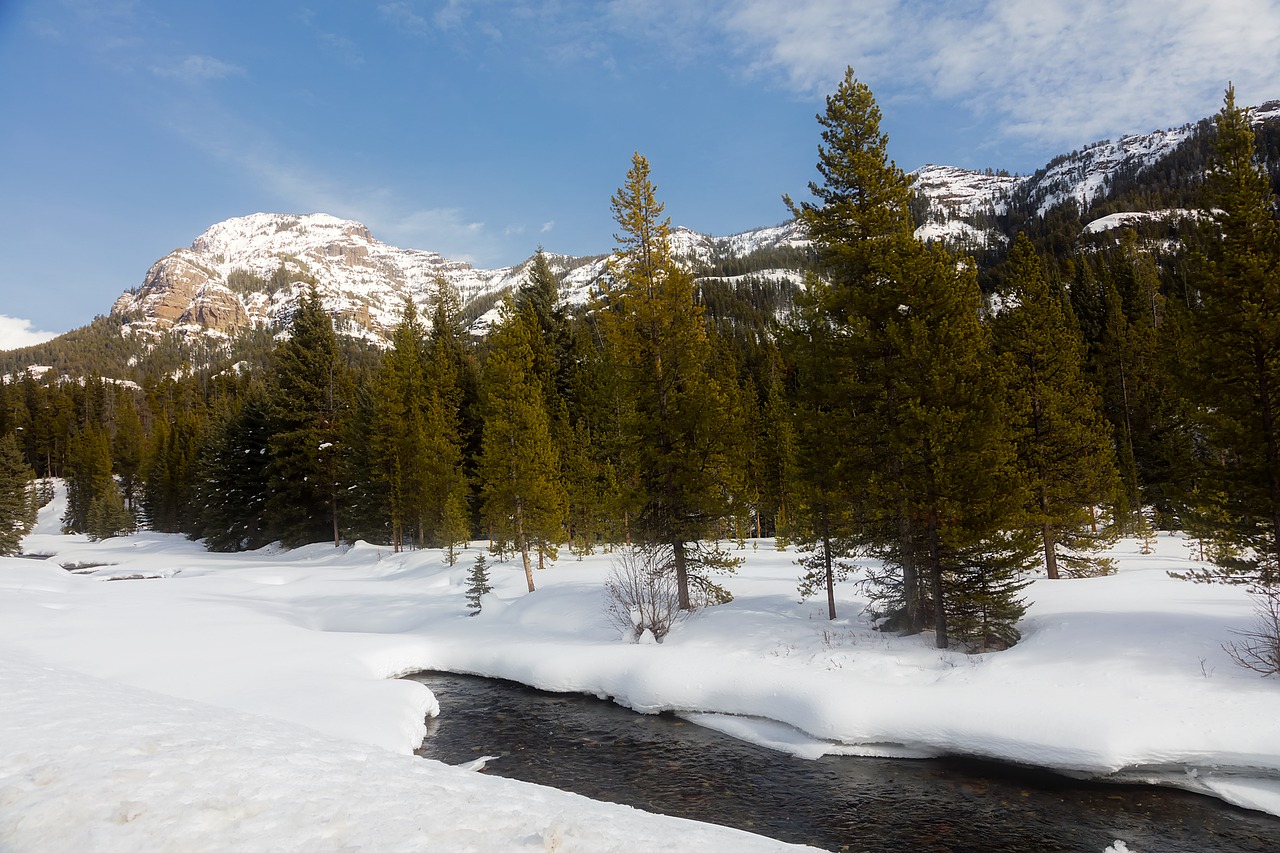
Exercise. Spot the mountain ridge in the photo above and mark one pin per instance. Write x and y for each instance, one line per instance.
(244, 275)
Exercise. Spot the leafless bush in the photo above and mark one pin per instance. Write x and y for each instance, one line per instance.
(1259, 649)
(641, 592)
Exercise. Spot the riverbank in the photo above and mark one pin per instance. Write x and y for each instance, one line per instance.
(1120, 677)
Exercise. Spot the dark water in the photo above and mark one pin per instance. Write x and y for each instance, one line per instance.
(661, 763)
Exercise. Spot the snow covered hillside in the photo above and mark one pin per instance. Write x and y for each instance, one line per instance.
(247, 272)
(1120, 677)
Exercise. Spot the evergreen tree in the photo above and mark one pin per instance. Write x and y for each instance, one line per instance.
(127, 445)
(309, 398)
(1064, 444)
(1237, 328)
(232, 489)
(675, 440)
(825, 517)
(929, 460)
(399, 437)
(17, 505)
(451, 425)
(88, 476)
(477, 584)
(519, 465)
(108, 516)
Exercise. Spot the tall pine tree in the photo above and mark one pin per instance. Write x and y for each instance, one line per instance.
(308, 399)
(929, 461)
(676, 442)
(1063, 440)
(1237, 381)
(519, 465)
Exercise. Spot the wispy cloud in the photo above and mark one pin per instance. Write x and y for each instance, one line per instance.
(547, 227)
(1051, 72)
(16, 333)
(404, 17)
(197, 69)
(346, 50)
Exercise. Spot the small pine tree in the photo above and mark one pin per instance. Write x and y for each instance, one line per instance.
(477, 584)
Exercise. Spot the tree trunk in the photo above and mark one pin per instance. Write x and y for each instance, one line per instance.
(682, 573)
(1050, 552)
(831, 582)
(524, 545)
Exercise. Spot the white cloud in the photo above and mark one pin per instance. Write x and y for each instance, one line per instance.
(16, 333)
(196, 69)
(548, 227)
(402, 16)
(1060, 73)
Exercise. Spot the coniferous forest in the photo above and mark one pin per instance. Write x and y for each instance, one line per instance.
(962, 420)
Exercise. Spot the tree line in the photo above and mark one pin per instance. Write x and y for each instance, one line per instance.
(887, 409)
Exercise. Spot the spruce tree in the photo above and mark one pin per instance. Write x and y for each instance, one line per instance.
(1063, 440)
(233, 487)
(519, 466)
(16, 496)
(1236, 385)
(127, 446)
(88, 476)
(928, 463)
(449, 413)
(399, 436)
(308, 400)
(675, 441)
(477, 584)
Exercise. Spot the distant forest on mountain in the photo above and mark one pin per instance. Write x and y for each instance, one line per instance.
(965, 414)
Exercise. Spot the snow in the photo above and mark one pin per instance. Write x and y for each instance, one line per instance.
(250, 698)
(1123, 220)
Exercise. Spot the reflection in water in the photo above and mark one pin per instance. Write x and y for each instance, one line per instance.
(661, 763)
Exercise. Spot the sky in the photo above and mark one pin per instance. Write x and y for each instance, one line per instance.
(481, 129)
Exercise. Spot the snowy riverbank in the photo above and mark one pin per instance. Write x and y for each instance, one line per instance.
(1119, 677)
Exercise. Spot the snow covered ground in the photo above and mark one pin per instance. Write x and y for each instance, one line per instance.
(247, 701)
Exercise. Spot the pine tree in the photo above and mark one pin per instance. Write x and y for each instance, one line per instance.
(233, 486)
(451, 426)
(127, 446)
(308, 398)
(108, 516)
(399, 435)
(477, 584)
(1236, 385)
(1063, 440)
(16, 496)
(519, 466)
(928, 460)
(88, 476)
(675, 440)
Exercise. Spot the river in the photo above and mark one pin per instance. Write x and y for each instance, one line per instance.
(662, 763)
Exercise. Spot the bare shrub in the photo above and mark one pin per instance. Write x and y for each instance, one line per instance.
(1259, 649)
(641, 592)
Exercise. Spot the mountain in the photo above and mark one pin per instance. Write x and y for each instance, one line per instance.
(244, 277)
(249, 272)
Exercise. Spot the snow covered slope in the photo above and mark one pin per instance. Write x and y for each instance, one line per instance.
(249, 272)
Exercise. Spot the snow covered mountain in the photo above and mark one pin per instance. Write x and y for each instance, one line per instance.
(249, 272)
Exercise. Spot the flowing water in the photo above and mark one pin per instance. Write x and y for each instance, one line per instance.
(661, 763)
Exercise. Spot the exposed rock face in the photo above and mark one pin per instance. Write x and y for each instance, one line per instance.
(216, 308)
(248, 272)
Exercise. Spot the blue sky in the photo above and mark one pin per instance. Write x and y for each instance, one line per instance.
(482, 129)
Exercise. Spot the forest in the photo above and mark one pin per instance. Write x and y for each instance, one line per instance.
(965, 422)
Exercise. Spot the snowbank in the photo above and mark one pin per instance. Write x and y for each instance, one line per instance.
(1120, 677)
